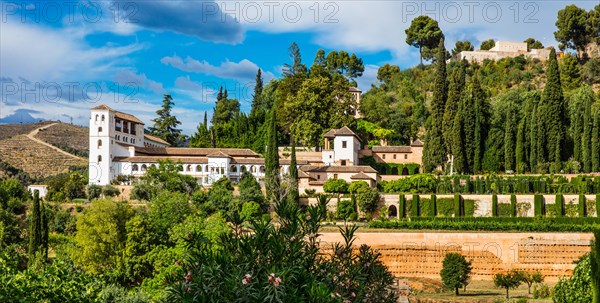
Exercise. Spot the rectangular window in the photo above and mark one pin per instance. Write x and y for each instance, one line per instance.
(383, 156)
(344, 145)
(343, 163)
(394, 156)
(335, 176)
(405, 156)
(118, 125)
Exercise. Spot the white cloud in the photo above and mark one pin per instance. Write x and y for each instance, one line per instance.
(245, 70)
(369, 77)
(129, 77)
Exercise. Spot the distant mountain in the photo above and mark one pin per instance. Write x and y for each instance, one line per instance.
(21, 116)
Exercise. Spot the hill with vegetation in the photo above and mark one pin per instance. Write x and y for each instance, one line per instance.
(32, 152)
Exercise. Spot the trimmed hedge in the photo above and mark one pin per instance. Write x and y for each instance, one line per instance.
(538, 206)
(562, 224)
(401, 206)
(433, 206)
(559, 205)
(582, 210)
(513, 205)
(459, 206)
(494, 206)
(414, 210)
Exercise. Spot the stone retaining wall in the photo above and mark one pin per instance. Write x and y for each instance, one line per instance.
(418, 254)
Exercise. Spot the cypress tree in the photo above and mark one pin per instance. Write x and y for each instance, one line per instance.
(256, 98)
(294, 194)
(559, 205)
(509, 140)
(513, 205)
(401, 206)
(272, 157)
(455, 88)
(44, 229)
(553, 111)
(433, 206)
(588, 123)
(35, 229)
(582, 208)
(458, 142)
(414, 209)
(481, 124)
(205, 123)
(533, 138)
(596, 143)
(520, 148)
(434, 151)
(494, 205)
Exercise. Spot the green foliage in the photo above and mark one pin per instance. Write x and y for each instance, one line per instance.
(168, 209)
(581, 206)
(538, 205)
(339, 186)
(94, 191)
(458, 205)
(281, 264)
(415, 209)
(425, 34)
(346, 209)
(541, 291)
(250, 211)
(577, 288)
(572, 28)
(595, 266)
(559, 205)
(456, 271)
(272, 157)
(367, 200)
(421, 183)
(493, 224)
(165, 125)
(533, 278)
(389, 168)
(461, 46)
(110, 191)
(250, 190)
(36, 245)
(533, 44)
(487, 44)
(513, 205)
(101, 235)
(495, 206)
(401, 206)
(508, 280)
(355, 186)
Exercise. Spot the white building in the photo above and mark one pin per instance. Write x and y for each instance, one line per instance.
(118, 147)
(505, 49)
(41, 188)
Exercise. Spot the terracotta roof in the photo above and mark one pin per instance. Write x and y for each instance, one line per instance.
(391, 149)
(302, 175)
(187, 151)
(218, 154)
(339, 169)
(156, 139)
(417, 143)
(154, 159)
(354, 89)
(344, 131)
(119, 114)
(361, 176)
(316, 182)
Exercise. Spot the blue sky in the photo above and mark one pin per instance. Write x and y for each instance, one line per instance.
(60, 58)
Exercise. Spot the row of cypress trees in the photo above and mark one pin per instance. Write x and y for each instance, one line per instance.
(38, 238)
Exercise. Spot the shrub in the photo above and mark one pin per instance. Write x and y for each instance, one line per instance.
(455, 271)
(110, 191)
(250, 210)
(559, 206)
(401, 206)
(433, 206)
(582, 209)
(339, 186)
(367, 199)
(578, 287)
(494, 205)
(345, 209)
(414, 210)
(508, 280)
(469, 206)
(513, 205)
(445, 207)
(541, 291)
(538, 205)
(458, 206)
(355, 186)
(94, 191)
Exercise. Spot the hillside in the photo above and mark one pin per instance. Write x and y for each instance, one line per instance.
(31, 151)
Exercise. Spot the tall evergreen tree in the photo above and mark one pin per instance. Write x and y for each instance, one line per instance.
(552, 115)
(458, 140)
(455, 88)
(202, 136)
(257, 105)
(434, 150)
(35, 228)
(294, 194)
(44, 229)
(509, 139)
(481, 106)
(596, 142)
(272, 157)
(165, 126)
(520, 150)
(533, 127)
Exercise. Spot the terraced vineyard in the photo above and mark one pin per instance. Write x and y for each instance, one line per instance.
(21, 150)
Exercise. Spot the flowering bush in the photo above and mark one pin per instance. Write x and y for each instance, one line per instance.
(281, 262)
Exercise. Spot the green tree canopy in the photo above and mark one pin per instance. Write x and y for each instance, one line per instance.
(165, 125)
(572, 29)
(456, 271)
(533, 44)
(487, 44)
(423, 33)
(461, 46)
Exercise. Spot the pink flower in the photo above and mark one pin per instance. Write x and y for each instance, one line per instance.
(293, 238)
(188, 277)
(271, 278)
(308, 217)
(353, 294)
(346, 301)
(247, 276)
(244, 281)
(277, 281)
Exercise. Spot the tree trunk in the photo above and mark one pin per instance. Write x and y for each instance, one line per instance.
(421, 58)
(507, 292)
(456, 290)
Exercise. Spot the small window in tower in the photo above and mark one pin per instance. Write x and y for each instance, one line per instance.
(335, 176)
(99, 143)
(394, 156)
(344, 144)
(102, 118)
(96, 118)
(405, 156)
(100, 129)
(343, 162)
(318, 177)
(383, 156)
(99, 158)
(135, 167)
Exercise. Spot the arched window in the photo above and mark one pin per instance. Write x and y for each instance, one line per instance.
(99, 143)
(252, 169)
(99, 158)
(153, 165)
(244, 169)
(188, 168)
(102, 118)
(96, 118)
(262, 169)
(144, 167)
(393, 211)
(233, 168)
(199, 168)
(134, 167)
(206, 168)
(100, 129)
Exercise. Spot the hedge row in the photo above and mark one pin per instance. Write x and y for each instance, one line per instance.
(434, 207)
(493, 224)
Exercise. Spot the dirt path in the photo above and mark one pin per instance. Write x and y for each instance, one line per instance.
(31, 135)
